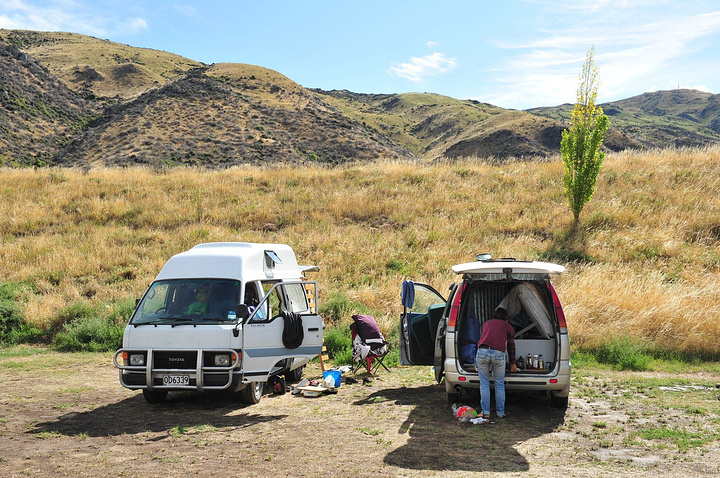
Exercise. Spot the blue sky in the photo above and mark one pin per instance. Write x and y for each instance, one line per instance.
(513, 53)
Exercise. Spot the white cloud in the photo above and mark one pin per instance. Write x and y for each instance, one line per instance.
(631, 53)
(185, 9)
(66, 15)
(432, 44)
(135, 25)
(419, 68)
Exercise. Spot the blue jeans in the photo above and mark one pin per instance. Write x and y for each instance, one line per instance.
(483, 359)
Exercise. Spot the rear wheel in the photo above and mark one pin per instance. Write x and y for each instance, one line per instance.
(561, 403)
(294, 376)
(252, 393)
(452, 397)
(154, 396)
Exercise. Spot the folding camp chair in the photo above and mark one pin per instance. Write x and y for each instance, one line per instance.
(369, 345)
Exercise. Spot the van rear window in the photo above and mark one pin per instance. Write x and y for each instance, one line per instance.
(501, 277)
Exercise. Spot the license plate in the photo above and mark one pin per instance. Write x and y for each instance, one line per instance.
(176, 380)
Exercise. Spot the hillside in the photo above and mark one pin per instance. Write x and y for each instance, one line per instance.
(659, 119)
(38, 113)
(139, 106)
(70, 99)
(96, 67)
(224, 115)
(432, 125)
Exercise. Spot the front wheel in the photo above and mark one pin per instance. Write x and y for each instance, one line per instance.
(154, 396)
(252, 393)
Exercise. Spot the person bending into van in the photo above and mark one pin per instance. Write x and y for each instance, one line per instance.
(497, 336)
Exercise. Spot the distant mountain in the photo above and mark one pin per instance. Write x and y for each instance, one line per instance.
(73, 100)
(659, 119)
(434, 126)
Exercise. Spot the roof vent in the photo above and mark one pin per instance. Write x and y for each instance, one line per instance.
(271, 258)
(483, 257)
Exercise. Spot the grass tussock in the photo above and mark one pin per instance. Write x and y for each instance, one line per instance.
(644, 262)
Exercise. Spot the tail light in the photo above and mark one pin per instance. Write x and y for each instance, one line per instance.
(558, 308)
(455, 309)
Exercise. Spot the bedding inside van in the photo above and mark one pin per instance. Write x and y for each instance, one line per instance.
(530, 317)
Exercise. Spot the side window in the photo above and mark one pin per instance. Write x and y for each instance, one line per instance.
(274, 301)
(298, 298)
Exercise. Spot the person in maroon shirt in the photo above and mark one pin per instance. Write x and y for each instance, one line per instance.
(497, 336)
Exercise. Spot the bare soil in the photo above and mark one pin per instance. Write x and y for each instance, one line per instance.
(67, 415)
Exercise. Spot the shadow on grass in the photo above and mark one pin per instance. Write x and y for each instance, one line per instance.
(133, 415)
(569, 246)
(438, 441)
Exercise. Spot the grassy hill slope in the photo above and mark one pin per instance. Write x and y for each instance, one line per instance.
(141, 106)
(38, 113)
(434, 126)
(650, 237)
(98, 67)
(224, 115)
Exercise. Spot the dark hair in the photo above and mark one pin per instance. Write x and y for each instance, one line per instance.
(501, 314)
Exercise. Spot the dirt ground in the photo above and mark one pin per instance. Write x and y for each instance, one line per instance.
(67, 415)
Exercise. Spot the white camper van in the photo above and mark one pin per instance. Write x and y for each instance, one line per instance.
(222, 316)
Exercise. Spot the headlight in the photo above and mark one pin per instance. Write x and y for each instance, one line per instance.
(222, 360)
(137, 359)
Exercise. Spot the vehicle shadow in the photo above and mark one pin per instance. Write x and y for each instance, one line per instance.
(438, 441)
(133, 415)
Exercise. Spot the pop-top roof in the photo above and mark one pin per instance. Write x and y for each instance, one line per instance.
(500, 267)
(233, 260)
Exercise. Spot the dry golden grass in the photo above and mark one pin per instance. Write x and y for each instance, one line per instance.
(652, 230)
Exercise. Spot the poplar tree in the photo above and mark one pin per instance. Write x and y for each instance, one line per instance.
(580, 145)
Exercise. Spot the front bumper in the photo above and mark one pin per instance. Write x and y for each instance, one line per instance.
(165, 369)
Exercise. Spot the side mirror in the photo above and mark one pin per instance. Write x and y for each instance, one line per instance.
(242, 312)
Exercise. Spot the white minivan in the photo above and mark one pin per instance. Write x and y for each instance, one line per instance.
(445, 332)
(222, 316)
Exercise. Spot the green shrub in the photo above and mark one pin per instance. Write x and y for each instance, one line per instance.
(339, 308)
(13, 328)
(90, 334)
(86, 329)
(623, 353)
(338, 341)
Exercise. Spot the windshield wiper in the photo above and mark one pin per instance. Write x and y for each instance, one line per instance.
(162, 321)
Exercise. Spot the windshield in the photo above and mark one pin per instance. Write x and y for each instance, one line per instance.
(184, 301)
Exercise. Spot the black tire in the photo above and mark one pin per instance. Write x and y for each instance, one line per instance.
(452, 397)
(252, 393)
(561, 403)
(294, 376)
(154, 396)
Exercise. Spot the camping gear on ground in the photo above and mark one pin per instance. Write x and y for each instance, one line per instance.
(333, 378)
(369, 345)
(464, 413)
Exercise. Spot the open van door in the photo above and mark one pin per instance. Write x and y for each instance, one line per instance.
(263, 341)
(423, 309)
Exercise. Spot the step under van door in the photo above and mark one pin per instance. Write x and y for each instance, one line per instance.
(423, 309)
